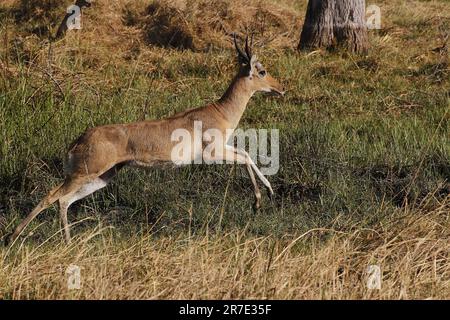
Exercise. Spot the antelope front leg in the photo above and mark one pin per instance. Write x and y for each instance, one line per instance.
(253, 165)
(257, 204)
(241, 159)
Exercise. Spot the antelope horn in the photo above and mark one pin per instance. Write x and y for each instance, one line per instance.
(247, 49)
(241, 54)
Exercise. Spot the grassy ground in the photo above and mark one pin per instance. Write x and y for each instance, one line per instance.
(364, 160)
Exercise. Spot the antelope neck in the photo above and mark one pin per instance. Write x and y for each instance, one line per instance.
(234, 101)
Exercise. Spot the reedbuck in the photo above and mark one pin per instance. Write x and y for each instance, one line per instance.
(96, 156)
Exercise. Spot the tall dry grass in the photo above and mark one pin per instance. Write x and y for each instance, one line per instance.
(412, 249)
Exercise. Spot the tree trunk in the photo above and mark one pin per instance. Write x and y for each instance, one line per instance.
(333, 23)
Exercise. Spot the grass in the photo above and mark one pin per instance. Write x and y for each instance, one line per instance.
(322, 263)
(364, 162)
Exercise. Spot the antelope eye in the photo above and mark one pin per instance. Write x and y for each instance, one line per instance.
(262, 73)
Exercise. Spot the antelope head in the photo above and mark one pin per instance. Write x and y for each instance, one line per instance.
(256, 76)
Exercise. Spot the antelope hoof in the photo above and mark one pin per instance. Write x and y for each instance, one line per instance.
(256, 205)
(270, 194)
(270, 191)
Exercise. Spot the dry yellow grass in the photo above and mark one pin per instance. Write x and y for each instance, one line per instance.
(121, 34)
(412, 250)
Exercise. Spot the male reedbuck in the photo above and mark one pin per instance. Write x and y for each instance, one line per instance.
(96, 156)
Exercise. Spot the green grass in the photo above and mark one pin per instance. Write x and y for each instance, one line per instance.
(343, 152)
